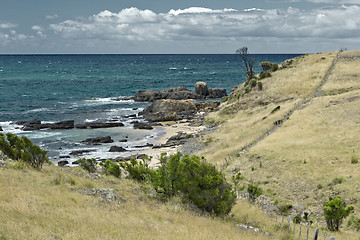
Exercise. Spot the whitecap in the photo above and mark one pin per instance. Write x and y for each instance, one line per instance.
(173, 68)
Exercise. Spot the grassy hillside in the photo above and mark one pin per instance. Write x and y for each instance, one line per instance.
(312, 154)
(309, 156)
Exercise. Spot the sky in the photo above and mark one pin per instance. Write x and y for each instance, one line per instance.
(178, 26)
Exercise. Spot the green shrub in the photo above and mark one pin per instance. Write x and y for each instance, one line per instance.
(22, 148)
(268, 66)
(263, 75)
(138, 170)
(338, 180)
(335, 211)
(88, 164)
(112, 168)
(284, 209)
(254, 191)
(196, 181)
(224, 99)
(260, 85)
(354, 160)
(252, 83)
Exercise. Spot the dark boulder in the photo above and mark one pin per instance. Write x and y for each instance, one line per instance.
(216, 93)
(99, 125)
(63, 163)
(1, 129)
(80, 152)
(141, 125)
(117, 149)
(144, 146)
(201, 89)
(98, 140)
(123, 140)
(61, 125)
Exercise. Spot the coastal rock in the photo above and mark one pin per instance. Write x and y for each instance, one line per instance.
(216, 93)
(172, 110)
(141, 125)
(1, 129)
(201, 89)
(117, 149)
(63, 163)
(37, 125)
(99, 125)
(178, 93)
(80, 152)
(144, 146)
(136, 156)
(176, 140)
(98, 140)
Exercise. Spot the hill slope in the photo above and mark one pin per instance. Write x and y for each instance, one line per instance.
(303, 152)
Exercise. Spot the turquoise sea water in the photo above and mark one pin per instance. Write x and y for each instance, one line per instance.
(53, 88)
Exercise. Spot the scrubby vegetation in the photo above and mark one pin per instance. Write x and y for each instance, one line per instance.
(335, 212)
(190, 177)
(22, 149)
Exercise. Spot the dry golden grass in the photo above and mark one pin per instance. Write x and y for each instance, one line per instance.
(346, 75)
(301, 161)
(46, 205)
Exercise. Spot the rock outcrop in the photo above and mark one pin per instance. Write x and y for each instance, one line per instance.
(37, 125)
(180, 93)
(172, 110)
(98, 140)
(107, 195)
(99, 125)
(117, 149)
(141, 125)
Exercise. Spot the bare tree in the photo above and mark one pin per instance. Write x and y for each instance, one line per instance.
(246, 62)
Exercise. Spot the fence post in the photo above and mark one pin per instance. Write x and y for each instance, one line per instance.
(332, 238)
(300, 231)
(267, 210)
(316, 234)
(289, 222)
(282, 218)
(324, 236)
(307, 231)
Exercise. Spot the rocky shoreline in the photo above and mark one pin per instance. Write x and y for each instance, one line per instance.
(177, 111)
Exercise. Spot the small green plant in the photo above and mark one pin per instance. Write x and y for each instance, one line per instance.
(335, 211)
(138, 170)
(112, 168)
(354, 223)
(297, 219)
(224, 99)
(254, 191)
(354, 160)
(320, 186)
(337, 180)
(88, 164)
(284, 209)
(252, 83)
(260, 86)
(23, 149)
(263, 75)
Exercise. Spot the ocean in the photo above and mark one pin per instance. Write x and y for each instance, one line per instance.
(86, 88)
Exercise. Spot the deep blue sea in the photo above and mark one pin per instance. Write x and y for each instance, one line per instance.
(83, 88)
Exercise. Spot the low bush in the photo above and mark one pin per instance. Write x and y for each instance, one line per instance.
(190, 177)
(23, 149)
(263, 75)
(138, 170)
(354, 160)
(254, 191)
(335, 211)
(268, 66)
(88, 164)
(112, 168)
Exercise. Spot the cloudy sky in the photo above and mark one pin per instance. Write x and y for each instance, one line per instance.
(178, 26)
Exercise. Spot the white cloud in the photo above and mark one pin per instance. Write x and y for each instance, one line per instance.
(37, 28)
(55, 16)
(196, 23)
(7, 25)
